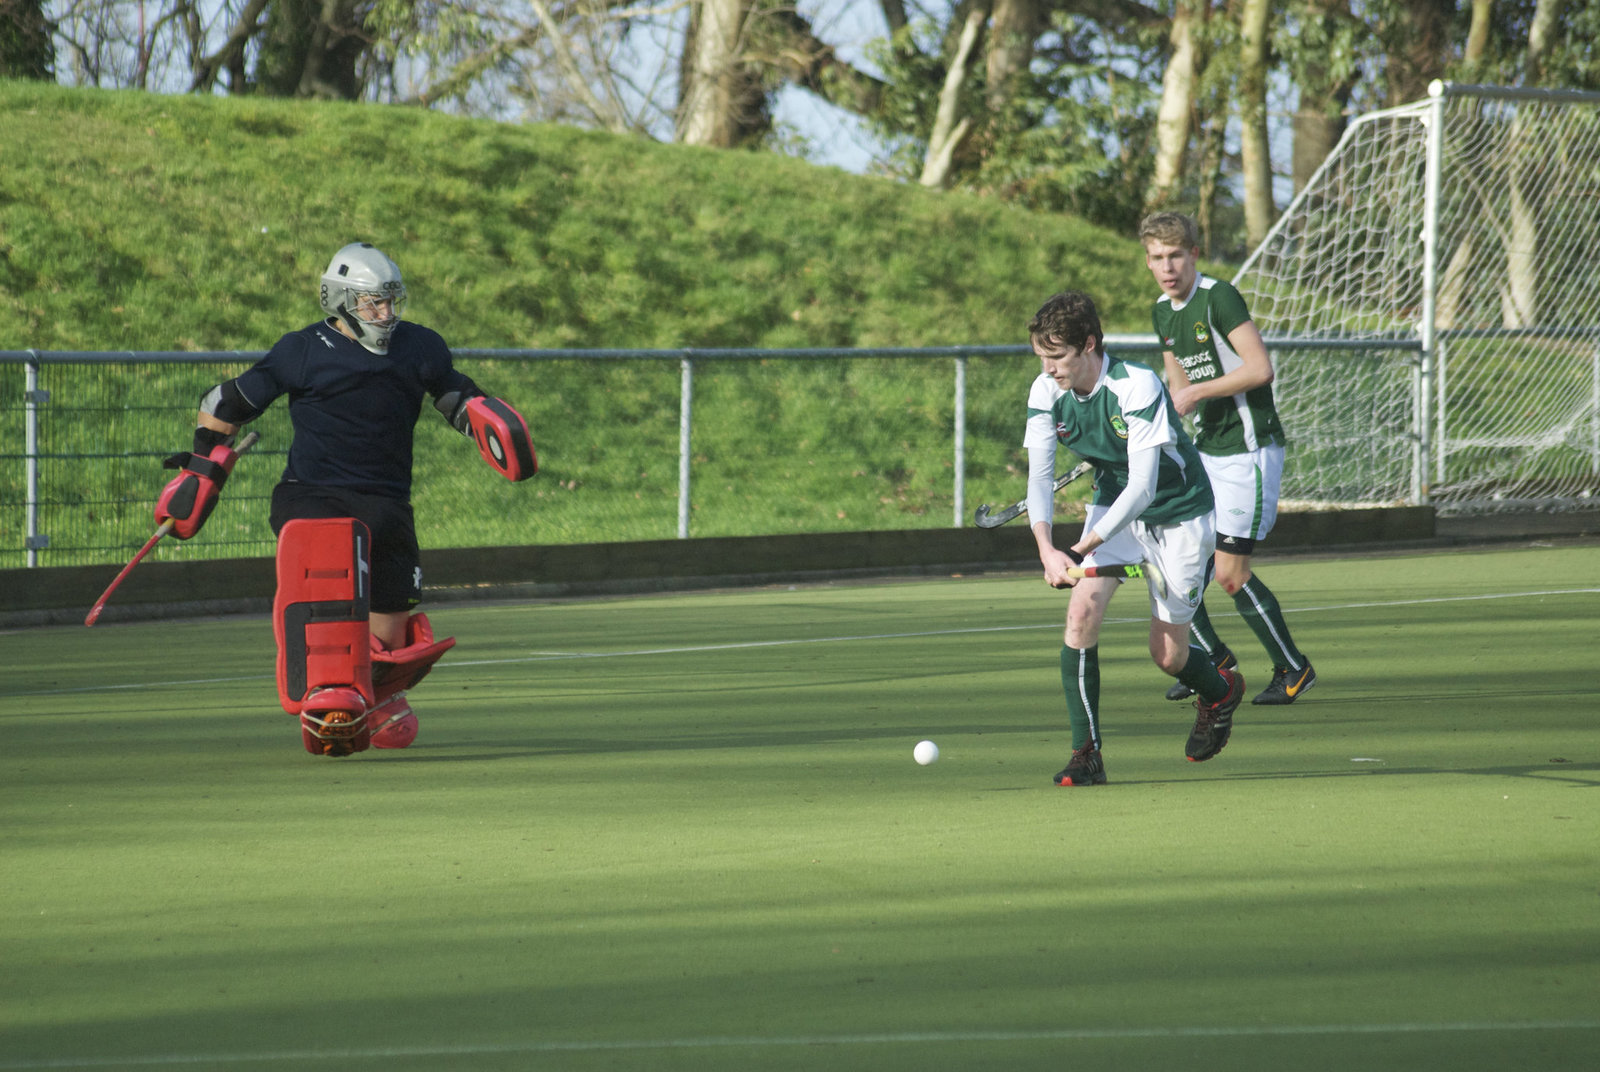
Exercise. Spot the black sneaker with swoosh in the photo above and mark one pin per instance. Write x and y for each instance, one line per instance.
(1287, 685)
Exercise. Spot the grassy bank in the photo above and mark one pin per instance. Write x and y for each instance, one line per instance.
(130, 221)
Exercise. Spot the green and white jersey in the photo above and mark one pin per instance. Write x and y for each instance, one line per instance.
(1196, 332)
(1128, 410)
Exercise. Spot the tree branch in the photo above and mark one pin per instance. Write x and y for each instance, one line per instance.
(249, 24)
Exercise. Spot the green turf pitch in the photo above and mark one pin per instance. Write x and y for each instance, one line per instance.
(686, 832)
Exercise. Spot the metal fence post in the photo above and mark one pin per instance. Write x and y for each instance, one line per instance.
(32, 398)
(685, 422)
(961, 440)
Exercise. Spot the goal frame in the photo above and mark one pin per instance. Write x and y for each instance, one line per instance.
(1408, 331)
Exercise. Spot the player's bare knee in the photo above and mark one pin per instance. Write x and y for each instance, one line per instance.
(1233, 567)
(1163, 659)
(1083, 624)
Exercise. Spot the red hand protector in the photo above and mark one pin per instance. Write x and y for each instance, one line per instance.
(502, 437)
(189, 497)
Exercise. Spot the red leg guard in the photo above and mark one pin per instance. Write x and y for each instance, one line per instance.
(400, 669)
(392, 723)
(320, 620)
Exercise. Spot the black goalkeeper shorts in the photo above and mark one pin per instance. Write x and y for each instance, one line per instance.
(396, 562)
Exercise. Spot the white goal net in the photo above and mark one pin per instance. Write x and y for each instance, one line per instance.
(1435, 286)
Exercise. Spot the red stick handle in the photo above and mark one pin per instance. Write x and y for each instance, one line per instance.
(100, 604)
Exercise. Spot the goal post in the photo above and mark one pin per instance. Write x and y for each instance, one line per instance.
(1443, 252)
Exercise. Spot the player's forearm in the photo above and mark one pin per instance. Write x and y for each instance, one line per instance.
(1136, 497)
(1176, 377)
(1041, 484)
(1236, 382)
(1255, 368)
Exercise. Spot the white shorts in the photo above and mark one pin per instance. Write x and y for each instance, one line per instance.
(1246, 489)
(1120, 550)
(1181, 551)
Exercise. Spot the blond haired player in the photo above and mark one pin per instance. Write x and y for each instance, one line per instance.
(1219, 371)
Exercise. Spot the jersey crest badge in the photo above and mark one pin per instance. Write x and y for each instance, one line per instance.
(1119, 426)
(1201, 335)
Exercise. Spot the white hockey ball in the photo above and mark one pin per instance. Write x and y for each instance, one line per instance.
(925, 752)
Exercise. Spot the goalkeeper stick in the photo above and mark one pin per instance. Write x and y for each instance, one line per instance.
(1148, 570)
(166, 526)
(985, 520)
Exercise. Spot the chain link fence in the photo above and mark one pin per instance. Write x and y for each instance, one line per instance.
(633, 444)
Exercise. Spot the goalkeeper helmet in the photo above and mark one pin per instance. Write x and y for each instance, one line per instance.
(363, 289)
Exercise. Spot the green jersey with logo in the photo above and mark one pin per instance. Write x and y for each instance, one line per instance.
(1127, 410)
(1196, 332)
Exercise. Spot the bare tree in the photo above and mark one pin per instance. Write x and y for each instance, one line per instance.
(311, 48)
(1178, 88)
(1317, 46)
(230, 57)
(1254, 144)
(950, 126)
(25, 50)
(721, 99)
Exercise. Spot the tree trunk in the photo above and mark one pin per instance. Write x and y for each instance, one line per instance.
(26, 50)
(721, 102)
(1013, 31)
(1417, 46)
(1546, 20)
(949, 126)
(1519, 299)
(230, 57)
(1210, 152)
(1255, 152)
(310, 48)
(1478, 32)
(1319, 118)
(1177, 103)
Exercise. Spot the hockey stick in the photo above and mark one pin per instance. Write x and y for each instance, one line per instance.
(985, 520)
(166, 526)
(1148, 570)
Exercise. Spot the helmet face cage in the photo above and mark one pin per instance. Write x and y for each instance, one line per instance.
(359, 278)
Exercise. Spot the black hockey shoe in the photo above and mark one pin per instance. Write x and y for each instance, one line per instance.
(1084, 768)
(1213, 723)
(1287, 685)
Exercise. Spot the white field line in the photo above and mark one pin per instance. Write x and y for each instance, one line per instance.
(554, 656)
(727, 1042)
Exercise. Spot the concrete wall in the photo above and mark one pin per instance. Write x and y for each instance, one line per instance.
(63, 595)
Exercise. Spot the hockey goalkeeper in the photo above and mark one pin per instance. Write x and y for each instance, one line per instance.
(350, 641)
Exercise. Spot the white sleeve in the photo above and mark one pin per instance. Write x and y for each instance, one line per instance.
(1041, 484)
(1143, 467)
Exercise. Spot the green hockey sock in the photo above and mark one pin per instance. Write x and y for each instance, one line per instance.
(1261, 612)
(1201, 675)
(1080, 680)
(1204, 635)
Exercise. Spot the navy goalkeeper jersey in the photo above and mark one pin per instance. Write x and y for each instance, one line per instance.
(354, 412)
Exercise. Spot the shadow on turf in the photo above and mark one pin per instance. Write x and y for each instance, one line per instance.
(1584, 775)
